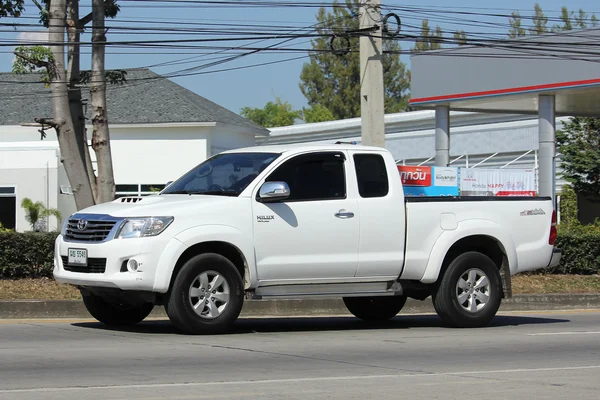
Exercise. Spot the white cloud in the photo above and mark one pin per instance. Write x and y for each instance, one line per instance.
(33, 37)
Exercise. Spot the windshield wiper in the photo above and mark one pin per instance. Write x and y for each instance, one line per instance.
(179, 192)
(216, 193)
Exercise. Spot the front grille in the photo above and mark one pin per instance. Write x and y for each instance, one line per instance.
(95, 266)
(94, 230)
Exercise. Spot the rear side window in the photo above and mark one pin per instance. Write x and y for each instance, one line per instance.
(371, 175)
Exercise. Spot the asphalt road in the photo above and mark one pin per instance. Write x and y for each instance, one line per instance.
(533, 356)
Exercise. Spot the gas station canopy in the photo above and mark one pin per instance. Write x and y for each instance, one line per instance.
(510, 75)
(548, 75)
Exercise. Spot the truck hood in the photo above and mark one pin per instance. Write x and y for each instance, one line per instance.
(158, 205)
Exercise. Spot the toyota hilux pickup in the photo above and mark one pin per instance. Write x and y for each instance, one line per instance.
(300, 221)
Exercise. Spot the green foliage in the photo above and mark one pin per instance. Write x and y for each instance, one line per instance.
(581, 251)
(516, 28)
(568, 207)
(3, 229)
(273, 114)
(460, 37)
(111, 8)
(569, 20)
(428, 40)
(11, 8)
(114, 77)
(579, 144)
(539, 20)
(33, 59)
(333, 80)
(34, 212)
(317, 113)
(26, 255)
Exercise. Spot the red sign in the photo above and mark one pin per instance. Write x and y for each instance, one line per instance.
(527, 193)
(415, 176)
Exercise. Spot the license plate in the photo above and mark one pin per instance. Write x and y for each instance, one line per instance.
(78, 257)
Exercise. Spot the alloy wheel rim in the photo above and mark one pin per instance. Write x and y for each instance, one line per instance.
(473, 290)
(209, 294)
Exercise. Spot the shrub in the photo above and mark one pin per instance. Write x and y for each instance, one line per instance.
(580, 245)
(26, 255)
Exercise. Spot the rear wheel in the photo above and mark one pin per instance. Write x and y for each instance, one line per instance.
(110, 313)
(470, 291)
(378, 308)
(207, 295)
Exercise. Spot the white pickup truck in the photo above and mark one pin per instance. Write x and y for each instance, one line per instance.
(300, 222)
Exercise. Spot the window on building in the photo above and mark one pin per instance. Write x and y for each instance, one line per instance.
(313, 177)
(8, 207)
(136, 190)
(371, 175)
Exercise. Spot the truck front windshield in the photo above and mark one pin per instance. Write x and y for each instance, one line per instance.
(224, 174)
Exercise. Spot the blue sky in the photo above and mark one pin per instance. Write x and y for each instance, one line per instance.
(255, 86)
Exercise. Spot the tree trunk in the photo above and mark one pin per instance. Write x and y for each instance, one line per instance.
(100, 136)
(62, 120)
(75, 98)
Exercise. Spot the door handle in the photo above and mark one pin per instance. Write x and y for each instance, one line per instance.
(344, 214)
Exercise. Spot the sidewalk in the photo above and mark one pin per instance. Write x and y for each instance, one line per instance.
(23, 309)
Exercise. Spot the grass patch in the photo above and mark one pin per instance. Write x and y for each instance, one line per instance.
(36, 289)
(547, 284)
(48, 289)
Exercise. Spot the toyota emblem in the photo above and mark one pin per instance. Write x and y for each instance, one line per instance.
(81, 224)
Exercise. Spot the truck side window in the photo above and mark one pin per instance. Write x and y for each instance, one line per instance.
(371, 175)
(313, 177)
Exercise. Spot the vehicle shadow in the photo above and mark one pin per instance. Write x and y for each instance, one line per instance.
(249, 325)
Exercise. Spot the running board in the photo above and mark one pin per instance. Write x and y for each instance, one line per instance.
(327, 290)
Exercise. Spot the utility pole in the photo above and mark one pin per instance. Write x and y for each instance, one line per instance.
(371, 74)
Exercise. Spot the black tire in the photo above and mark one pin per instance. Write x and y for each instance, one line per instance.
(116, 314)
(446, 298)
(179, 306)
(377, 308)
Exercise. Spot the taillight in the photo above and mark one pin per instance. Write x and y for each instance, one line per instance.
(553, 232)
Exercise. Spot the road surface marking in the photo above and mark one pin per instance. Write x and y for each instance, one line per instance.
(564, 333)
(294, 380)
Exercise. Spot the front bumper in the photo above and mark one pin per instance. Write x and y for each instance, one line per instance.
(556, 256)
(151, 253)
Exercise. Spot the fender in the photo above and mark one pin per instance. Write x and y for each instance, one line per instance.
(199, 234)
(465, 229)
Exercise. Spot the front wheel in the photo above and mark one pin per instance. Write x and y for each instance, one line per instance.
(378, 308)
(116, 313)
(470, 291)
(207, 295)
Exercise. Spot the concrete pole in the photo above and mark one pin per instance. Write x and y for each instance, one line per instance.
(442, 136)
(547, 152)
(371, 75)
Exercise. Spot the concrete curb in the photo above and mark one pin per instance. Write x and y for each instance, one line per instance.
(24, 309)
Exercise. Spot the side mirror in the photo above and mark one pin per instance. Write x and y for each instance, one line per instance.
(273, 191)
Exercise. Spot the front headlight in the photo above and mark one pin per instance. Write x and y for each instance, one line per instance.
(140, 227)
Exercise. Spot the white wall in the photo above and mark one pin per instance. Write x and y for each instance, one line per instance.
(156, 155)
(229, 137)
(33, 173)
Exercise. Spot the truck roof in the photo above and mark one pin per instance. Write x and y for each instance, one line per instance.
(300, 148)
